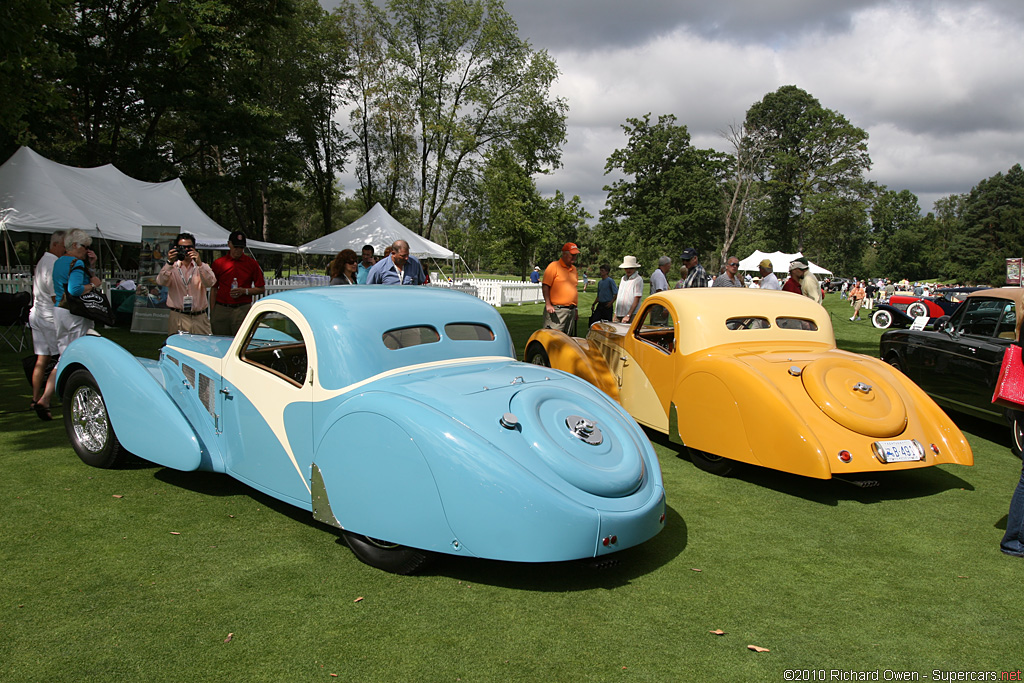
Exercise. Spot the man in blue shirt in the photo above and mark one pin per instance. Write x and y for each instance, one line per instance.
(607, 290)
(365, 264)
(535, 275)
(398, 268)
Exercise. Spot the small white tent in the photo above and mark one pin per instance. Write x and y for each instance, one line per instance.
(41, 196)
(379, 228)
(780, 262)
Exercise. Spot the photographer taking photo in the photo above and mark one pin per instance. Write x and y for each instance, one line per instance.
(186, 278)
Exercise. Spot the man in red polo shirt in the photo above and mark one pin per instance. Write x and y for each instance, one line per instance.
(239, 277)
(560, 287)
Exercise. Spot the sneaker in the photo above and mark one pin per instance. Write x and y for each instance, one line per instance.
(851, 320)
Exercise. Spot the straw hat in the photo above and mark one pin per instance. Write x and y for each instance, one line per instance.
(629, 262)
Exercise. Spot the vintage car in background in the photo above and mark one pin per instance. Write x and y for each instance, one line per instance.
(745, 375)
(900, 310)
(958, 361)
(398, 414)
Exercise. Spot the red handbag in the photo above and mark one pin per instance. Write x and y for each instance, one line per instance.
(1009, 391)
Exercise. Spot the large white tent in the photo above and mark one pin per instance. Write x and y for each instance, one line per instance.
(780, 262)
(40, 196)
(379, 228)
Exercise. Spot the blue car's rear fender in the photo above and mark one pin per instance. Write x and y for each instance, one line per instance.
(144, 418)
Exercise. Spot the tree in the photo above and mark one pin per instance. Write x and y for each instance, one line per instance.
(896, 228)
(740, 188)
(472, 83)
(811, 151)
(513, 210)
(669, 199)
(992, 228)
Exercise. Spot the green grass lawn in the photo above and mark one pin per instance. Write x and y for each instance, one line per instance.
(142, 573)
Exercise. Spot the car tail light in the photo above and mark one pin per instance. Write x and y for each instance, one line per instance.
(935, 449)
(662, 520)
(845, 456)
(609, 540)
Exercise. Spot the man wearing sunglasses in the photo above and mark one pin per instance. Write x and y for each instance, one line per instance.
(731, 277)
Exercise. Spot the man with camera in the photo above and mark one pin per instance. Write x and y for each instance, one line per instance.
(186, 278)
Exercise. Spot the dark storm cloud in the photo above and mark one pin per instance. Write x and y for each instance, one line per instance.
(551, 24)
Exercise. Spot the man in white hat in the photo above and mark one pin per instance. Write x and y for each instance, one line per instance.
(631, 290)
(768, 279)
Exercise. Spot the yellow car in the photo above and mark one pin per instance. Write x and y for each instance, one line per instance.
(744, 375)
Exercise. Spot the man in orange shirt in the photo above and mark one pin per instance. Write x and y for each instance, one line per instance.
(560, 287)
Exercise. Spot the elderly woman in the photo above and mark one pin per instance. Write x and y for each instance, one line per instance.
(71, 274)
(344, 268)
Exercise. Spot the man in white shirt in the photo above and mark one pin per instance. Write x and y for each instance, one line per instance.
(659, 281)
(768, 279)
(44, 330)
(631, 290)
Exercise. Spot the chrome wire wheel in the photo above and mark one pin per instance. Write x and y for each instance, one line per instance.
(89, 419)
(87, 422)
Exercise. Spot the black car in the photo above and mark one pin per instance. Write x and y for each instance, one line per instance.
(957, 362)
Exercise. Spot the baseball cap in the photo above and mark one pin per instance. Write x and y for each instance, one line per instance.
(571, 248)
(766, 264)
(237, 238)
(688, 254)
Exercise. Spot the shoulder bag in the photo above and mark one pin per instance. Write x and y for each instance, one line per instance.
(93, 305)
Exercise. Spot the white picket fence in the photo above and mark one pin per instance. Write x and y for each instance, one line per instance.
(498, 292)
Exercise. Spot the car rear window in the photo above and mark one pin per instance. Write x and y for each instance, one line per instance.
(404, 337)
(468, 332)
(748, 323)
(797, 324)
(753, 322)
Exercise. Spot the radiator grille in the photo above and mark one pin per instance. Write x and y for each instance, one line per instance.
(190, 374)
(206, 393)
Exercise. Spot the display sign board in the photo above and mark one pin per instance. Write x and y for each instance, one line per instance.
(1013, 271)
(150, 310)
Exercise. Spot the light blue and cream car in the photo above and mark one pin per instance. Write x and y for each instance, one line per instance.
(398, 414)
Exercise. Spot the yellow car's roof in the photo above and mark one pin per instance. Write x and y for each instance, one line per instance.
(702, 317)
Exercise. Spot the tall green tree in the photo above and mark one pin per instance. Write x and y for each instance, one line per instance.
(811, 151)
(472, 83)
(992, 229)
(669, 197)
(898, 231)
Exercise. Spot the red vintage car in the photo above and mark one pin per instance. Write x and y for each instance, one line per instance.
(901, 309)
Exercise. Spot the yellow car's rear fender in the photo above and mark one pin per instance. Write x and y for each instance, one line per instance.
(727, 408)
(573, 355)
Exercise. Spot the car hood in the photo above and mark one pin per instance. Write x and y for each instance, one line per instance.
(857, 392)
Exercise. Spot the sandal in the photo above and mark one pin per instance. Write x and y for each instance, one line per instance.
(43, 412)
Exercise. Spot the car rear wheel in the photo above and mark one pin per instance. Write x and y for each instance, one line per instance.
(882, 320)
(917, 309)
(536, 355)
(390, 557)
(894, 360)
(715, 464)
(88, 424)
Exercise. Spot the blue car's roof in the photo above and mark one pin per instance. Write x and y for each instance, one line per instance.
(349, 323)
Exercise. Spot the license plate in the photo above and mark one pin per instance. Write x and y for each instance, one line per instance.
(899, 451)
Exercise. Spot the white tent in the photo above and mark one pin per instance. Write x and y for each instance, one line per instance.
(41, 196)
(780, 262)
(379, 228)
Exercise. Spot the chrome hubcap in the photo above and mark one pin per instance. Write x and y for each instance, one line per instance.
(89, 419)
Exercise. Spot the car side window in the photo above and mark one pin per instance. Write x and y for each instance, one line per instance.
(275, 344)
(979, 317)
(1006, 328)
(657, 327)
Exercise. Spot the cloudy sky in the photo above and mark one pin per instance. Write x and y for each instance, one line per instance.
(938, 86)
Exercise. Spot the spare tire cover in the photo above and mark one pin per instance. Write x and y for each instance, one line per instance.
(612, 468)
(856, 396)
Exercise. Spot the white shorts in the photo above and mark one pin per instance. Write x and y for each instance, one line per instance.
(69, 327)
(44, 334)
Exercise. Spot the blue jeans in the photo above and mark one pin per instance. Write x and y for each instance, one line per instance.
(1013, 541)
